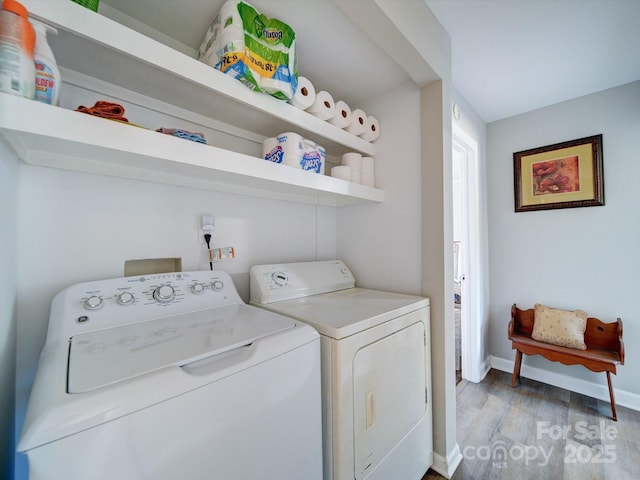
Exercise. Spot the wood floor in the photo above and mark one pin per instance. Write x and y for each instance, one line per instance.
(537, 431)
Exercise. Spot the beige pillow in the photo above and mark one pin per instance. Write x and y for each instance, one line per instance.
(560, 327)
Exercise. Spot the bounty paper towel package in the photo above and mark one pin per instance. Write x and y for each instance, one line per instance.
(258, 51)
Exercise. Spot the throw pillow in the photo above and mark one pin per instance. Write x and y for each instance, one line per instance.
(559, 327)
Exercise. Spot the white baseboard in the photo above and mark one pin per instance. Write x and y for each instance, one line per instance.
(477, 374)
(590, 389)
(447, 466)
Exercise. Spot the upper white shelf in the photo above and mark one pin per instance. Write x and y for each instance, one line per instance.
(55, 137)
(94, 45)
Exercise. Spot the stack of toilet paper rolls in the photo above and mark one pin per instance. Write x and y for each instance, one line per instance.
(356, 168)
(322, 105)
(291, 149)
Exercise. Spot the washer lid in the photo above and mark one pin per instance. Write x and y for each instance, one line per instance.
(104, 357)
(346, 312)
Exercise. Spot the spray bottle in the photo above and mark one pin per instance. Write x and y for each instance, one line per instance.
(47, 73)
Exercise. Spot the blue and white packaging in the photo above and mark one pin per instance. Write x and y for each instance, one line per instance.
(313, 157)
(291, 149)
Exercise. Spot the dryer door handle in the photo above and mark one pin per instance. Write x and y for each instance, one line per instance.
(370, 409)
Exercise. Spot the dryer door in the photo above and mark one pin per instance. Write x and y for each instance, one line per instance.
(389, 394)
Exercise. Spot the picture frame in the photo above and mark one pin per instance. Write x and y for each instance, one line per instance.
(562, 175)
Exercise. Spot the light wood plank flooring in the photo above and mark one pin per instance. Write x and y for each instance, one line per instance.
(537, 431)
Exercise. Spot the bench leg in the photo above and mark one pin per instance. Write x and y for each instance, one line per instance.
(516, 368)
(613, 400)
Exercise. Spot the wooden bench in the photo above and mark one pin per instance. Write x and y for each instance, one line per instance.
(605, 349)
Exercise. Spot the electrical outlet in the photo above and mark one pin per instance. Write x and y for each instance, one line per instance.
(206, 225)
(225, 253)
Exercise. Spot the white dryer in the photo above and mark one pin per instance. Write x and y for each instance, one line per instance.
(173, 376)
(376, 367)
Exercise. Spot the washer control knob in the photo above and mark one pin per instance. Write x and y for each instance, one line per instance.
(94, 302)
(217, 285)
(164, 294)
(125, 298)
(280, 278)
(197, 289)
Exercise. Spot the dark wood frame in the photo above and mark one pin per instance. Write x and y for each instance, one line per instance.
(595, 163)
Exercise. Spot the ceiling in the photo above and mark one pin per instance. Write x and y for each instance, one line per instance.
(514, 56)
(509, 56)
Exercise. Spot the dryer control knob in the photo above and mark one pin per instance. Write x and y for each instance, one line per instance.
(164, 294)
(93, 303)
(197, 289)
(280, 278)
(217, 285)
(125, 298)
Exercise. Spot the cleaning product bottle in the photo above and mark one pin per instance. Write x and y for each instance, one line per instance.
(47, 72)
(17, 42)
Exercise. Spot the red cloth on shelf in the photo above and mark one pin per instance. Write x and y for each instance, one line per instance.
(105, 109)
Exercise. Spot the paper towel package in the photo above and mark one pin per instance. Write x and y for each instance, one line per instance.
(258, 51)
(293, 150)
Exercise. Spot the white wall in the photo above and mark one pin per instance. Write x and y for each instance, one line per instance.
(569, 258)
(8, 271)
(76, 227)
(382, 243)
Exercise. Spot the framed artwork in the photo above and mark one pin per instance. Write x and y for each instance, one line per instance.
(563, 175)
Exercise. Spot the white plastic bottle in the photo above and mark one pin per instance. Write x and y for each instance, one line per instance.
(17, 40)
(47, 72)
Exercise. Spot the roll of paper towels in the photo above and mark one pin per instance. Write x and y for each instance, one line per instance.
(323, 106)
(342, 118)
(342, 172)
(371, 130)
(358, 122)
(305, 94)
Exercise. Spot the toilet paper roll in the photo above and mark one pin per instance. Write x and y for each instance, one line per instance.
(323, 106)
(358, 122)
(368, 178)
(268, 145)
(342, 172)
(342, 118)
(305, 94)
(368, 164)
(352, 159)
(372, 130)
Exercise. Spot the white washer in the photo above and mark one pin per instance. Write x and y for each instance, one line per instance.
(376, 367)
(173, 376)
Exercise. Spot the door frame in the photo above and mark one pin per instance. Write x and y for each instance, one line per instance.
(472, 363)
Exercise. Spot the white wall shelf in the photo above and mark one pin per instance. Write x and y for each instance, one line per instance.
(97, 46)
(50, 136)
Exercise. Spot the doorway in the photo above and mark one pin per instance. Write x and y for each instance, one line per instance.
(466, 235)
